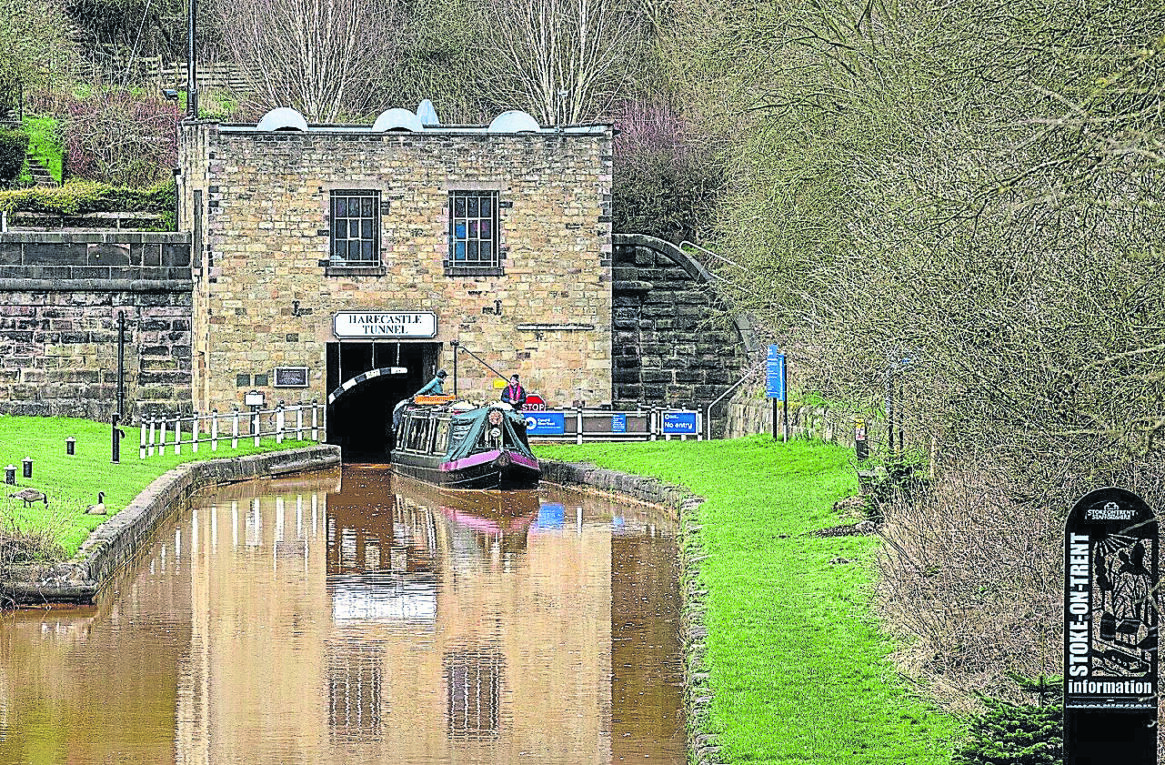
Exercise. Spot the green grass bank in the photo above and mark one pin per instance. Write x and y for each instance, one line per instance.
(796, 662)
(72, 482)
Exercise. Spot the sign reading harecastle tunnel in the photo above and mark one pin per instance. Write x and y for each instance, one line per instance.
(1110, 630)
(366, 324)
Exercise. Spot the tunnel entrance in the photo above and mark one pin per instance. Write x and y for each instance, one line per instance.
(365, 382)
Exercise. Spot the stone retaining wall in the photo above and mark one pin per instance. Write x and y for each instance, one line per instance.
(119, 539)
(674, 343)
(702, 746)
(60, 294)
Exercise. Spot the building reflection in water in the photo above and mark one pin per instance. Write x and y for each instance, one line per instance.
(384, 621)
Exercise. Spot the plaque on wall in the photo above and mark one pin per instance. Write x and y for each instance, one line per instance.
(290, 377)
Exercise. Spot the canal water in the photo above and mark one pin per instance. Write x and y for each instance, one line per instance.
(355, 616)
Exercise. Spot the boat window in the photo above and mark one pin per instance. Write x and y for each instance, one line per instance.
(441, 444)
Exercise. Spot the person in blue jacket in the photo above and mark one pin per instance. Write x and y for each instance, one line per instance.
(434, 387)
(514, 394)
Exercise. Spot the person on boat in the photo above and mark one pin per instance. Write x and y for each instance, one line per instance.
(434, 387)
(514, 394)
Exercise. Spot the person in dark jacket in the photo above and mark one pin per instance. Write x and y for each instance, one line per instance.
(514, 394)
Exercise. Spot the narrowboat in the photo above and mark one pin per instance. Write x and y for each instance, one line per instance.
(456, 445)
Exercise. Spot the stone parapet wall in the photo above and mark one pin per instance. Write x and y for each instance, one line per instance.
(60, 296)
(748, 413)
(675, 342)
(119, 539)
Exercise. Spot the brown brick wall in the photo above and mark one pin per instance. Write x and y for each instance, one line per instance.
(266, 198)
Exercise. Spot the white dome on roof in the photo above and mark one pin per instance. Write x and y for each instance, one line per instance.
(283, 118)
(398, 119)
(427, 114)
(514, 121)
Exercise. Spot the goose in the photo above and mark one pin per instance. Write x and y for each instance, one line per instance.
(29, 496)
(99, 508)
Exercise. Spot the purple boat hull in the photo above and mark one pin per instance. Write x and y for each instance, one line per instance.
(487, 470)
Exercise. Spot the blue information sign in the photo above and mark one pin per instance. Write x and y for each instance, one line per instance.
(618, 423)
(679, 423)
(775, 380)
(545, 423)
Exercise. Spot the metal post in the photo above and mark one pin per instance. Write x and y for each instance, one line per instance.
(194, 434)
(699, 426)
(315, 433)
(153, 426)
(142, 441)
(235, 429)
(455, 344)
(71, 446)
(785, 402)
(280, 420)
(299, 422)
(178, 434)
(191, 70)
(117, 434)
(214, 430)
(27, 464)
(256, 427)
(578, 428)
(121, 362)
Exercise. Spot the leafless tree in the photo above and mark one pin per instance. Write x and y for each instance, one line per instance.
(317, 56)
(563, 60)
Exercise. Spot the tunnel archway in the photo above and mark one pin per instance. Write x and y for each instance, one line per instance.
(359, 417)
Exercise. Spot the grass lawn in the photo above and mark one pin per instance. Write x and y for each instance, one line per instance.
(44, 143)
(796, 661)
(72, 483)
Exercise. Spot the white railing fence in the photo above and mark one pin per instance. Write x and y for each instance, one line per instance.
(297, 422)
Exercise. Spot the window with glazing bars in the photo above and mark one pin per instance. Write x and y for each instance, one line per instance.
(356, 228)
(473, 229)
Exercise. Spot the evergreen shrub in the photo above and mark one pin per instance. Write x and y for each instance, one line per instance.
(1015, 734)
(13, 148)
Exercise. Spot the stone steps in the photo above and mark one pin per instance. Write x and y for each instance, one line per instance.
(41, 175)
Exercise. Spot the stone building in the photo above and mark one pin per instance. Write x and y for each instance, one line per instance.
(321, 254)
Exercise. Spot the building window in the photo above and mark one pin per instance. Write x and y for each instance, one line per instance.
(473, 232)
(355, 228)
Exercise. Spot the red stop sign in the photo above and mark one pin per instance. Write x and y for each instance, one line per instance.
(534, 403)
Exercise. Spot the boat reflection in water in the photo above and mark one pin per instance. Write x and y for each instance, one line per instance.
(383, 620)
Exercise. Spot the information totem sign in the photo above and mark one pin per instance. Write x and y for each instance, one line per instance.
(1110, 630)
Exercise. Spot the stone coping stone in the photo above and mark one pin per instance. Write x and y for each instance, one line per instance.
(96, 237)
(120, 538)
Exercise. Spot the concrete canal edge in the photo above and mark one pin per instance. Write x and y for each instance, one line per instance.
(702, 746)
(120, 538)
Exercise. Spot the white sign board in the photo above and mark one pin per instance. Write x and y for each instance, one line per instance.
(376, 324)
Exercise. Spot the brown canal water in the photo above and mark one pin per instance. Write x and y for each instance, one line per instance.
(361, 617)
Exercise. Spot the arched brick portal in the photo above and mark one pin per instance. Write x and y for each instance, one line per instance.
(674, 342)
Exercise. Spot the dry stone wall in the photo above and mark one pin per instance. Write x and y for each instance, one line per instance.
(60, 294)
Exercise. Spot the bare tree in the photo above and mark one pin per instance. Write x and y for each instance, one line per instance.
(317, 56)
(564, 60)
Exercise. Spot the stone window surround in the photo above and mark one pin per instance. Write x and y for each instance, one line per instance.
(376, 261)
(503, 202)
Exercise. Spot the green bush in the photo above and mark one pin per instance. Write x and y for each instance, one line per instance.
(79, 197)
(13, 148)
(1015, 734)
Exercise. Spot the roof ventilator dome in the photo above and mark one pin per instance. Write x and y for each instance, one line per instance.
(427, 114)
(282, 118)
(515, 121)
(397, 119)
